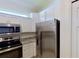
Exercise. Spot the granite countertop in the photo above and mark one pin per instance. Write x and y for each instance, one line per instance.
(16, 34)
(28, 38)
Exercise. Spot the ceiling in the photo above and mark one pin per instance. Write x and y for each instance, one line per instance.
(24, 6)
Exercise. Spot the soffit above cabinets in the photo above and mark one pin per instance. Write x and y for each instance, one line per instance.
(24, 6)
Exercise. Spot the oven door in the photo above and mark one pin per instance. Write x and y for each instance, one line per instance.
(15, 52)
(6, 29)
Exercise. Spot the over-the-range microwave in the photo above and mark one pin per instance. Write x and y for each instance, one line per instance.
(9, 28)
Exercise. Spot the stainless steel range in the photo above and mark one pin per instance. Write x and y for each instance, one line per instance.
(8, 41)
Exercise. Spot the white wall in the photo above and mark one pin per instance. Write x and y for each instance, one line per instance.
(61, 10)
(27, 24)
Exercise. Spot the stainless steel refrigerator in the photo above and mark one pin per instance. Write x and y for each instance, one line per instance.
(48, 39)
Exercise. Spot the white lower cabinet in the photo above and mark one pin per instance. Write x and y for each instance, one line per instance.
(29, 50)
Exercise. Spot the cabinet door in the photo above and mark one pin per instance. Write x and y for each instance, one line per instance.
(29, 50)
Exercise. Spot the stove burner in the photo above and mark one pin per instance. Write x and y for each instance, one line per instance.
(9, 44)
